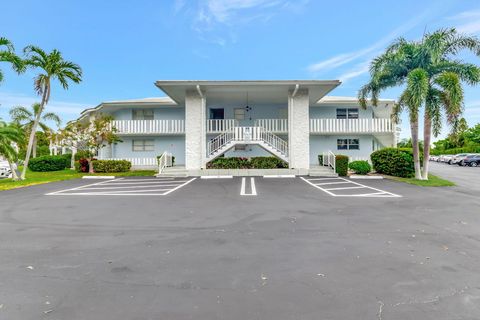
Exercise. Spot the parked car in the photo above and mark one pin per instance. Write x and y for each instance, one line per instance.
(447, 158)
(434, 158)
(471, 160)
(457, 159)
(5, 171)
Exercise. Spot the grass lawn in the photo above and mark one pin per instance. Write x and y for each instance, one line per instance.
(34, 178)
(433, 181)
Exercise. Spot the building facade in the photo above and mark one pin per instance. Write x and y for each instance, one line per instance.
(198, 121)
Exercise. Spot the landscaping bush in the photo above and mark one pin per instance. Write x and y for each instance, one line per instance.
(81, 165)
(111, 165)
(82, 154)
(341, 165)
(393, 162)
(267, 163)
(360, 167)
(245, 163)
(469, 149)
(48, 163)
(320, 159)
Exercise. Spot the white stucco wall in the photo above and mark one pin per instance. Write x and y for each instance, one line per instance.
(298, 115)
(173, 144)
(320, 144)
(194, 131)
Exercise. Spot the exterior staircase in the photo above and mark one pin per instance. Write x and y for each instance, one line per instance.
(321, 171)
(247, 135)
(173, 172)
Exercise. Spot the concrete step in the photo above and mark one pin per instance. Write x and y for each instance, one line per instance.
(178, 171)
(319, 171)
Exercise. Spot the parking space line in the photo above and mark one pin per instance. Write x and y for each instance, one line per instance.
(81, 187)
(178, 187)
(356, 185)
(130, 187)
(242, 187)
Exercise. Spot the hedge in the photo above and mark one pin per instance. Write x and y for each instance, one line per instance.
(341, 165)
(471, 149)
(360, 167)
(245, 163)
(49, 163)
(393, 162)
(111, 165)
(82, 154)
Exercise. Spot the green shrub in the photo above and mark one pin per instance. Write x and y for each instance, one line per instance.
(360, 167)
(82, 154)
(469, 149)
(341, 165)
(245, 163)
(48, 163)
(393, 162)
(320, 159)
(410, 151)
(267, 163)
(111, 165)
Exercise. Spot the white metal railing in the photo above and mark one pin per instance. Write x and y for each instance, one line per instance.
(220, 125)
(137, 161)
(351, 125)
(149, 126)
(328, 159)
(273, 125)
(165, 160)
(247, 135)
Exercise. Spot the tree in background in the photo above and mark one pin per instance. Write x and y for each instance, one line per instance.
(7, 54)
(9, 136)
(433, 81)
(52, 66)
(26, 119)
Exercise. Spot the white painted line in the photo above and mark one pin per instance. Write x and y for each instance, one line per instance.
(109, 194)
(217, 177)
(124, 182)
(379, 193)
(315, 186)
(108, 187)
(344, 188)
(326, 183)
(359, 184)
(81, 187)
(332, 178)
(360, 177)
(182, 185)
(98, 177)
(124, 191)
(242, 188)
(279, 176)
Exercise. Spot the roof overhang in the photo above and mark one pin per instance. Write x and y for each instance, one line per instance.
(258, 90)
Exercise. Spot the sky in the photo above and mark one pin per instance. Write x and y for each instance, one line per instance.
(124, 46)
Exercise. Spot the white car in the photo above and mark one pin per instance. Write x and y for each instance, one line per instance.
(459, 157)
(5, 171)
(433, 158)
(447, 158)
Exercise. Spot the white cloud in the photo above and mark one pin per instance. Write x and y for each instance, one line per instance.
(66, 110)
(468, 21)
(363, 56)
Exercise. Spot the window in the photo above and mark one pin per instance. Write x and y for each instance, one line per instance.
(348, 144)
(142, 114)
(350, 113)
(239, 114)
(143, 145)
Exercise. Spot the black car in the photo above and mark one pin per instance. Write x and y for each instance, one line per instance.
(471, 160)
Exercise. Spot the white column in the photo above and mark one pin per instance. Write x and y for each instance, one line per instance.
(194, 130)
(299, 133)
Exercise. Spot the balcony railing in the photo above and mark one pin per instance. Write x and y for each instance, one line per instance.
(273, 125)
(351, 126)
(220, 125)
(149, 126)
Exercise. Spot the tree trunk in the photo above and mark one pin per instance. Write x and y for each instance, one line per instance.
(90, 165)
(32, 134)
(427, 135)
(14, 172)
(416, 157)
(34, 152)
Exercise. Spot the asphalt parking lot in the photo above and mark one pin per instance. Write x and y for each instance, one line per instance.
(284, 249)
(465, 177)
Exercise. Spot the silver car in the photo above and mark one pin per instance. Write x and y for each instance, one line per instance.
(459, 157)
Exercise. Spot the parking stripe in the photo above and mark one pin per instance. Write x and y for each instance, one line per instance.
(331, 191)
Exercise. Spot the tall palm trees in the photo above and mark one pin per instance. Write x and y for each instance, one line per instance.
(9, 136)
(52, 67)
(7, 54)
(26, 119)
(432, 78)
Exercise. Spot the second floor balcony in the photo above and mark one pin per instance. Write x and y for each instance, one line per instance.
(341, 126)
(145, 127)
(223, 125)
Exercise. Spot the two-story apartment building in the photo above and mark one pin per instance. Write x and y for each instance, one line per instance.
(198, 121)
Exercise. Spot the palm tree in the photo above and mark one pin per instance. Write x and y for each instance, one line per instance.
(26, 119)
(52, 67)
(7, 54)
(432, 78)
(9, 136)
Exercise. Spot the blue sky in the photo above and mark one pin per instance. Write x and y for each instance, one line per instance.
(124, 46)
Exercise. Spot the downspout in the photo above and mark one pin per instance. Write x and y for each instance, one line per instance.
(290, 123)
(202, 129)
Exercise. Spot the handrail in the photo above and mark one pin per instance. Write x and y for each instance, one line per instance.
(273, 125)
(328, 159)
(366, 125)
(159, 126)
(165, 160)
(220, 125)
